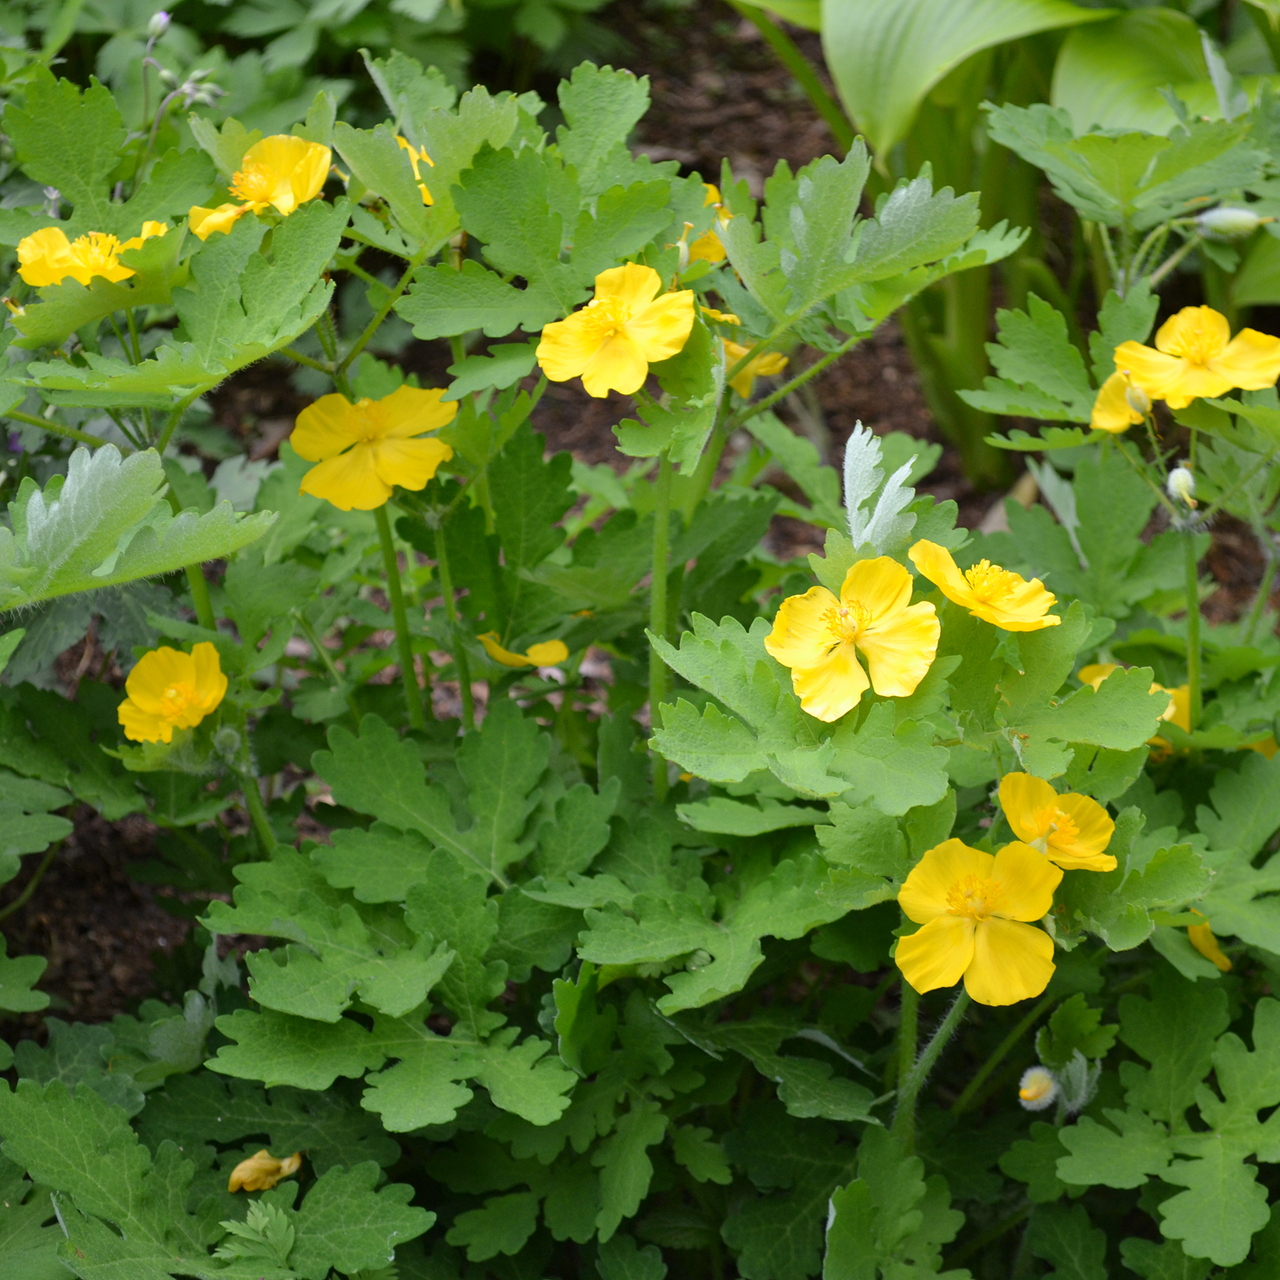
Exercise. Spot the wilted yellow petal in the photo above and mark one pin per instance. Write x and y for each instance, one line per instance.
(262, 1171)
(548, 653)
(1201, 937)
(204, 222)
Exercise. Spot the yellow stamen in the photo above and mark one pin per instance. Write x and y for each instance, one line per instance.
(848, 621)
(254, 184)
(973, 897)
(991, 582)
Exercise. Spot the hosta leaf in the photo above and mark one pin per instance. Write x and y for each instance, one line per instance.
(106, 524)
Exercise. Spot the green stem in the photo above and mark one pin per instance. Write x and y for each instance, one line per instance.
(705, 473)
(56, 428)
(989, 1236)
(408, 672)
(322, 652)
(383, 311)
(1156, 451)
(658, 612)
(200, 597)
(460, 659)
(908, 1032)
(299, 358)
(904, 1118)
(737, 419)
(965, 1100)
(1172, 261)
(1216, 506)
(257, 812)
(1196, 697)
(1260, 603)
(133, 335)
(1150, 483)
(34, 883)
(795, 62)
(1117, 281)
(171, 424)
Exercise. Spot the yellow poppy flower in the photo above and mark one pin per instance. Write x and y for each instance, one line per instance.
(415, 158)
(973, 908)
(611, 342)
(47, 257)
(707, 247)
(169, 690)
(820, 637)
(261, 1172)
(548, 653)
(762, 366)
(1114, 410)
(1201, 937)
(989, 592)
(366, 448)
(1071, 830)
(280, 172)
(1195, 355)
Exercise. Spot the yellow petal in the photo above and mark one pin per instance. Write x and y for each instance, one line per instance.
(548, 653)
(923, 895)
(1094, 673)
(262, 1171)
(1266, 747)
(1250, 361)
(1024, 608)
(712, 196)
(156, 671)
(631, 285)
(203, 222)
(707, 248)
(1027, 880)
(1153, 371)
(409, 411)
(938, 565)
(1179, 712)
(44, 257)
(900, 649)
(324, 429)
(149, 231)
(1011, 962)
(499, 654)
(800, 635)
(881, 586)
(938, 954)
(143, 726)
(1094, 829)
(567, 345)
(409, 463)
(1194, 333)
(1201, 937)
(1022, 797)
(348, 481)
(618, 365)
(833, 686)
(1111, 410)
(662, 328)
(210, 681)
(300, 165)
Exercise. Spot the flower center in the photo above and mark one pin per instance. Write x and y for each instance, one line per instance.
(605, 317)
(991, 582)
(254, 184)
(848, 621)
(1052, 827)
(1198, 346)
(366, 419)
(96, 251)
(177, 698)
(973, 897)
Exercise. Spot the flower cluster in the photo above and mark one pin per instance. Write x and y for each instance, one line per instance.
(47, 257)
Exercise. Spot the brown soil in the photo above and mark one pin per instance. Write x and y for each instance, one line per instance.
(717, 92)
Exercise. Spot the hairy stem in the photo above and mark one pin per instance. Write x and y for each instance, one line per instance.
(34, 883)
(460, 659)
(1264, 594)
(54, 428)
(904, 1118)
(383, 311)
(799, 380)
(408, 672)
(257, 812)
(176, 416)
(1196, 696)
(966, 1098)
(658, 612)
(200, 597)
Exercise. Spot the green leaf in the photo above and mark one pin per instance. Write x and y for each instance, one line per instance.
(601, 106)
(503, 366)
(1125, 1155)
(885, 59)
(820, 229)
(278, 1048)
(1164, 1261)
(1246, 805)
(105, 524)
(383, 166)
(442, 302)
(620, 1259)
(1074, 1028)
(914, 225)
(625, 1167)
(410, 91)
(28, 1246)
(1067, 1239)
(345, 1223)
(1034, 1161)
(502, 1226)
(1127, 319)
(533, 494)
(579, 830)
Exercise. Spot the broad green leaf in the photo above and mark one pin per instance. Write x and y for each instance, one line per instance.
(442, 302)
(278, 1048)
(601, 106)
(620, 1259)
(1167, 1261)
(884, 59)
(383, 166)
(18, 975)
(502, 1227)
(410, 91)
(1066, 1238)
(1124, 1153)
(625, 1168)
(1127, 319)
(914, 225)
(106, 524)
(1246, 805)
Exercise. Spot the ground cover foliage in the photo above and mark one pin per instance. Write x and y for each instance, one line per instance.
(587, 983)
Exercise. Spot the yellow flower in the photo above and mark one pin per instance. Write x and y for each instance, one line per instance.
(970, 904)
(707, 246)
(819, 638)
(1195, 355)
(48, 257)
(1071, 830)
(261, 1172)
(724, 317)
(169, 690)
(1201, 937)
(547, 654)
(1114, 410)
(761, 366)
(280, 172)
(415, 158)
(613, 340)
(989, 592)
(366, 448)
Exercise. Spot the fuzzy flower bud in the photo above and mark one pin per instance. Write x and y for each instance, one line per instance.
(1137, 399)
(1228, 224)
(158, 25)
(1182, 486)
(1038, 1088)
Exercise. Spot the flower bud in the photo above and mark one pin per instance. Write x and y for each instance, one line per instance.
(1137, 399)
(1182, 486)
(226, 742)
(1228, 224)
(1038, 1088)
(158, 25)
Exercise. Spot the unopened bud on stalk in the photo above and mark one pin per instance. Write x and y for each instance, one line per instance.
(1229, 224)
(1137, 399)
(1038, 1089)
(167, 77)
(158, 25)
(226, 742)
(1182, 486)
